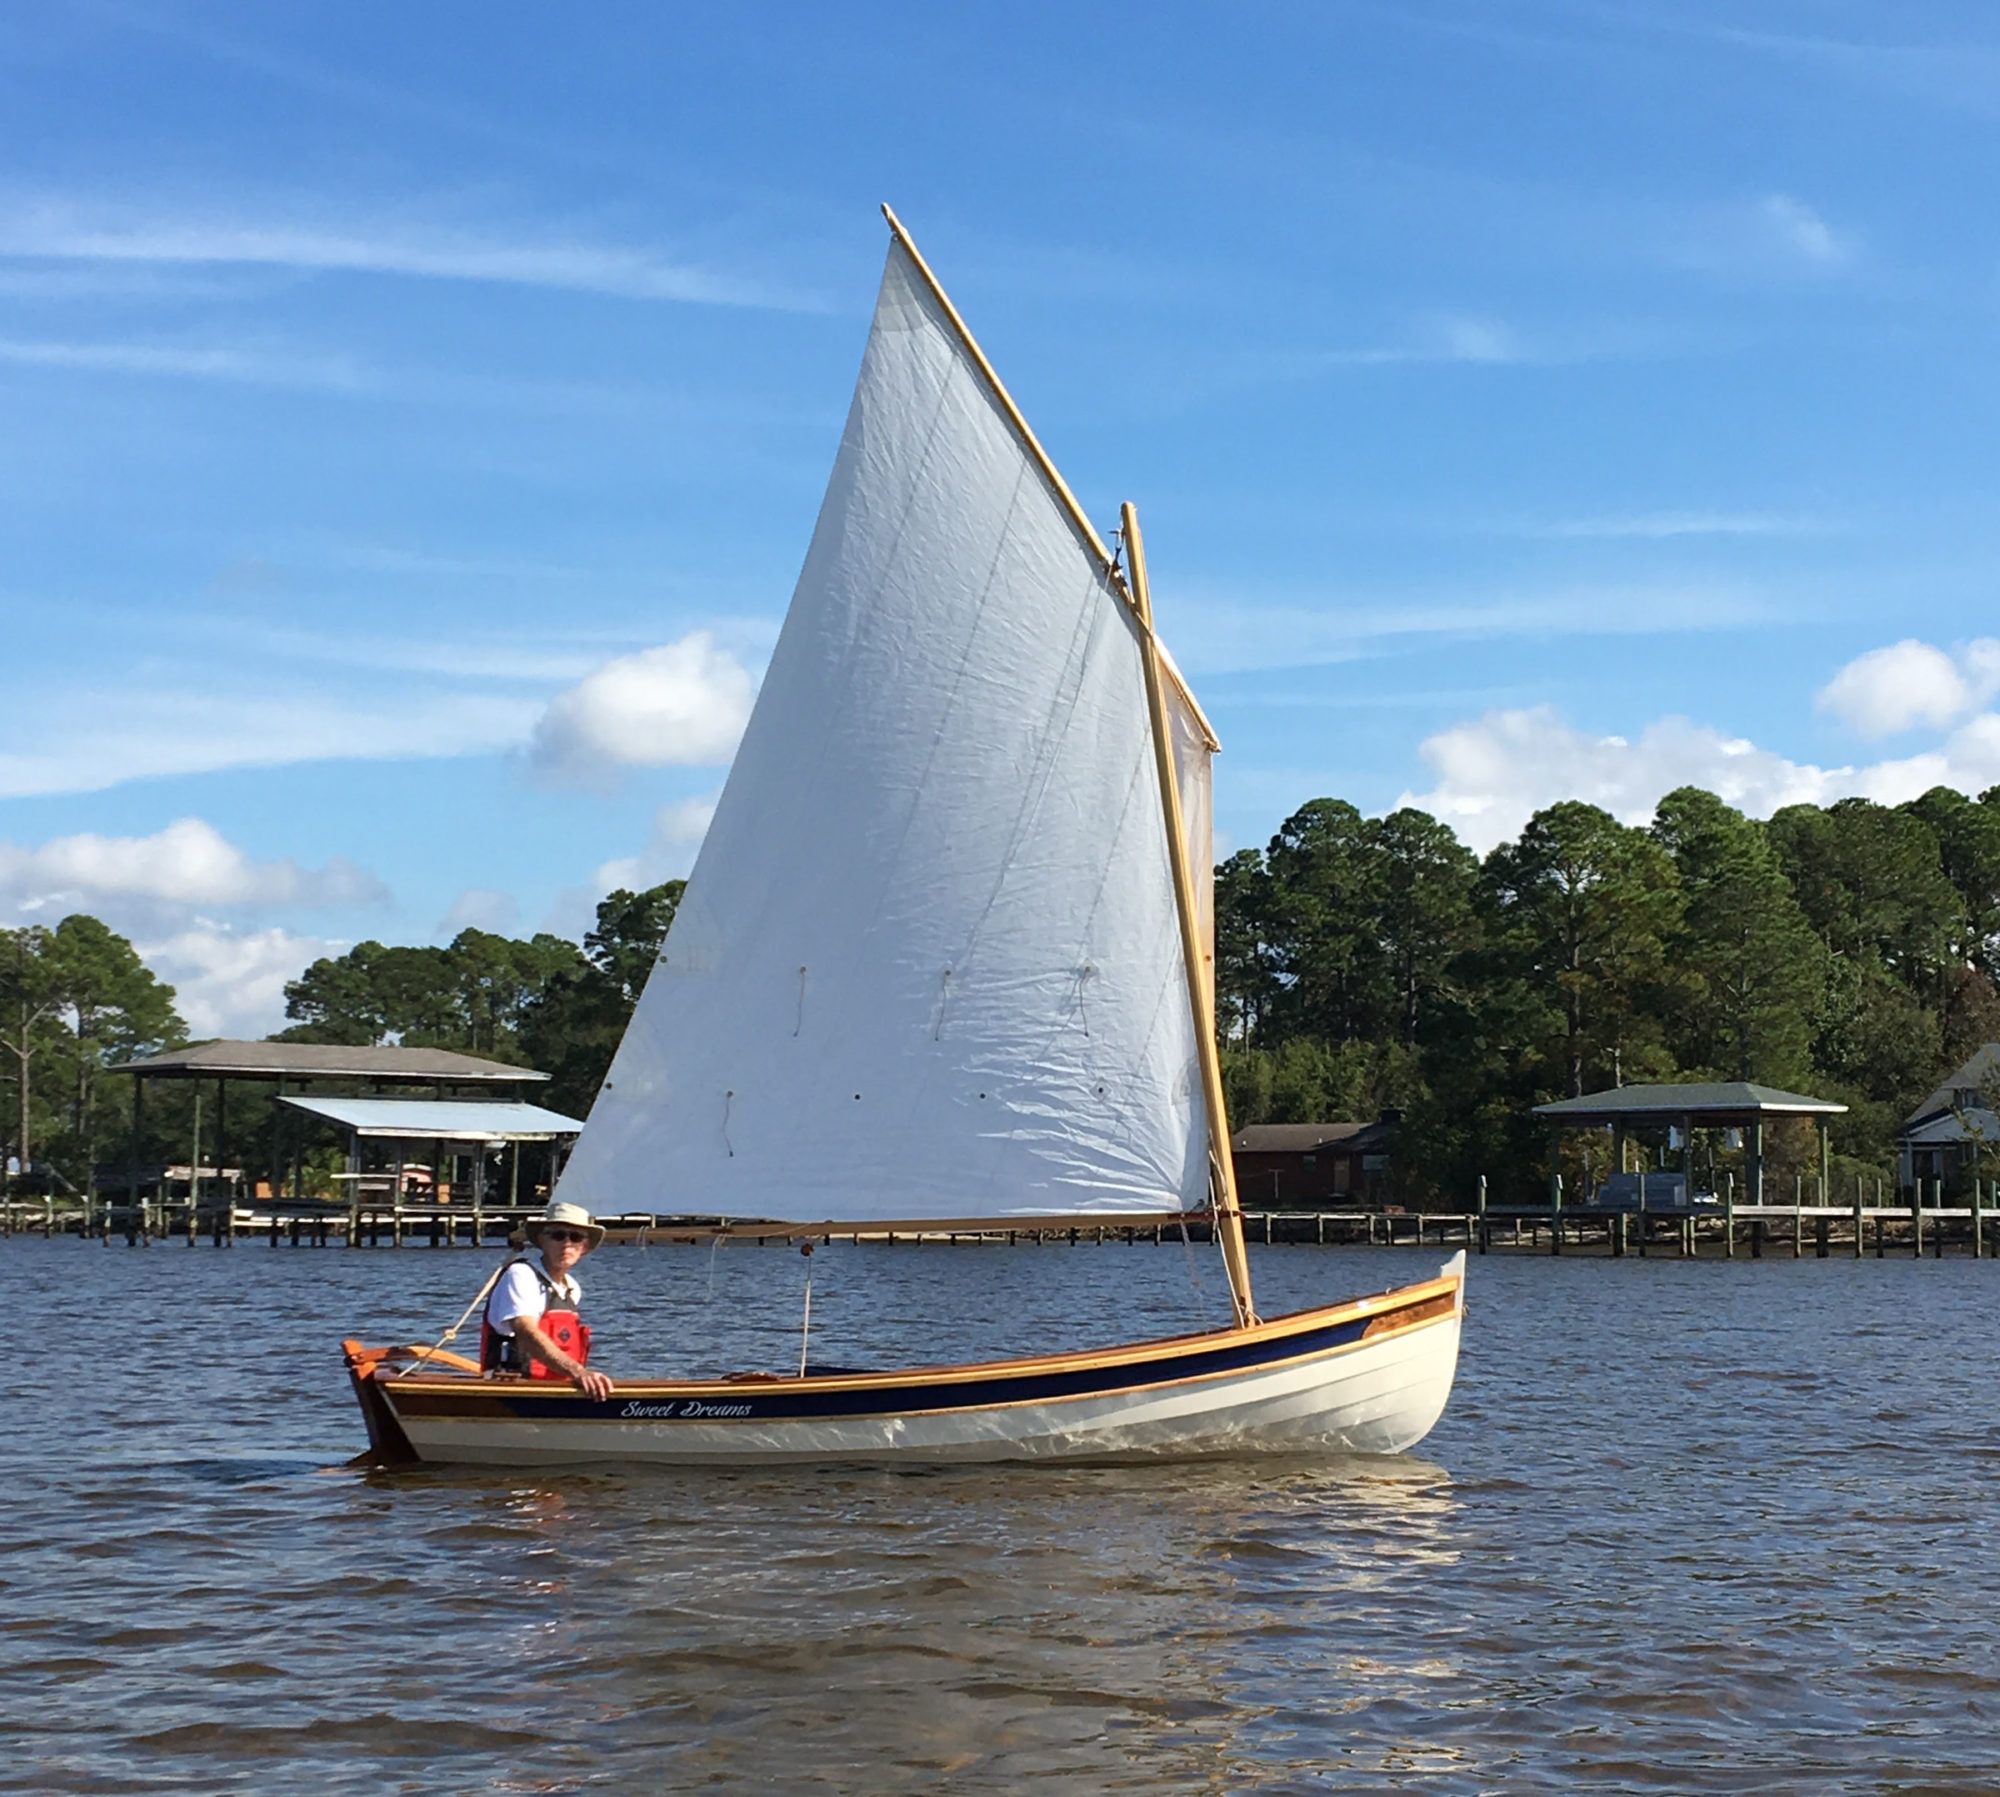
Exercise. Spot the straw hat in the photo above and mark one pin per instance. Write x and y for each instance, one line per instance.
(572, 1216)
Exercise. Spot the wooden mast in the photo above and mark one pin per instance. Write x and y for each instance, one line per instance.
(1228, 1214)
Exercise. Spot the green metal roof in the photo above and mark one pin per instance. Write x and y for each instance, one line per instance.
(1712, 1102)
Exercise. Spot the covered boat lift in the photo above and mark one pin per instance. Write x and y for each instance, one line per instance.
(442, 1126)
(1729, 1104)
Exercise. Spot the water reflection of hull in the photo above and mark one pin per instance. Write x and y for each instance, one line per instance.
(1370, 1375)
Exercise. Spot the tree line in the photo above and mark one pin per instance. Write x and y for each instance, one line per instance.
(1849, 951)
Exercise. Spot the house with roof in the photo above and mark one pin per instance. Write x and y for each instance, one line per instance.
(1944, 1136)
(1313, 1166)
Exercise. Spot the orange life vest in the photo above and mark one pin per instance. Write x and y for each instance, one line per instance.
(565, 1327)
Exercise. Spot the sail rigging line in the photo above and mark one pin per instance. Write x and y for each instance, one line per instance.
(1229, 1215)
(485, 1291)
(1197, 1296)
(806, 1322)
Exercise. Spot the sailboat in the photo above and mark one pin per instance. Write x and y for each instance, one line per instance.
(945, 963)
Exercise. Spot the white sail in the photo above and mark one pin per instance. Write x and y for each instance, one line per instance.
(928, 962)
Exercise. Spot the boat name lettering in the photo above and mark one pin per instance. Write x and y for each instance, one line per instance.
(687, 1407)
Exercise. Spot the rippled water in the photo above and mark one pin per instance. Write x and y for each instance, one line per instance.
(1685, 1527)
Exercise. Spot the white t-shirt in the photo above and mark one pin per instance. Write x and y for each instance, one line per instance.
(521, 1293)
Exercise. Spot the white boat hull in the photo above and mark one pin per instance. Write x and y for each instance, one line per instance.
(1372, 1376)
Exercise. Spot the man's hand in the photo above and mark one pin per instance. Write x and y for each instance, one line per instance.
(592, 1385)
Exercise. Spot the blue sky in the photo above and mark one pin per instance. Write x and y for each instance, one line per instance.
(412, 419)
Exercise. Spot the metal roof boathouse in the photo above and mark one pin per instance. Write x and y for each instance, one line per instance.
(1724, 1104)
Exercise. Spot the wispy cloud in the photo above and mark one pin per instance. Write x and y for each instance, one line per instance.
(179, 362)
(1439, 337)
(1800, 229)
(1661, 526)
(1221, 635)
(85, 743)
(1770, 237)
(42, 230)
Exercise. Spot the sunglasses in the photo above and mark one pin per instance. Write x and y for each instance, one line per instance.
(564, 1235)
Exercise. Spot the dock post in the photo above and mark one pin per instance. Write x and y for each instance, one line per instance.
(1860, 1221)
(1756, 1238)
(1644, 1229)
(1618, 1237)
(1483, 1228)
(1937, 1225)
(1917, 1220)
(1798, 1214)
(1556, 1214)
(1729, 1218)
(1978, 1219)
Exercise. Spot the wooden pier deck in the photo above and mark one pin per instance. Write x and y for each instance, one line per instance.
(1739, 1231)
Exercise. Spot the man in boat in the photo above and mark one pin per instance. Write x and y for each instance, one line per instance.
(533, 1323)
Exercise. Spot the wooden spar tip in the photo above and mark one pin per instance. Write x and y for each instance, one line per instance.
(1114, 570)
(1077, 516)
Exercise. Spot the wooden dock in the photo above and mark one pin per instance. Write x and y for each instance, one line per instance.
(1735, 1231)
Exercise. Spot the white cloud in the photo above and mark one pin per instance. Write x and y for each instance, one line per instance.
(683, 704)
(187, 863)
(1494, 772)
(229, 982)
(1911, 682)
(670, 847)
(480, 908)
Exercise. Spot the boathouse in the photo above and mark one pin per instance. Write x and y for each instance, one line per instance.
(1677, 1112)
(487, 1102)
